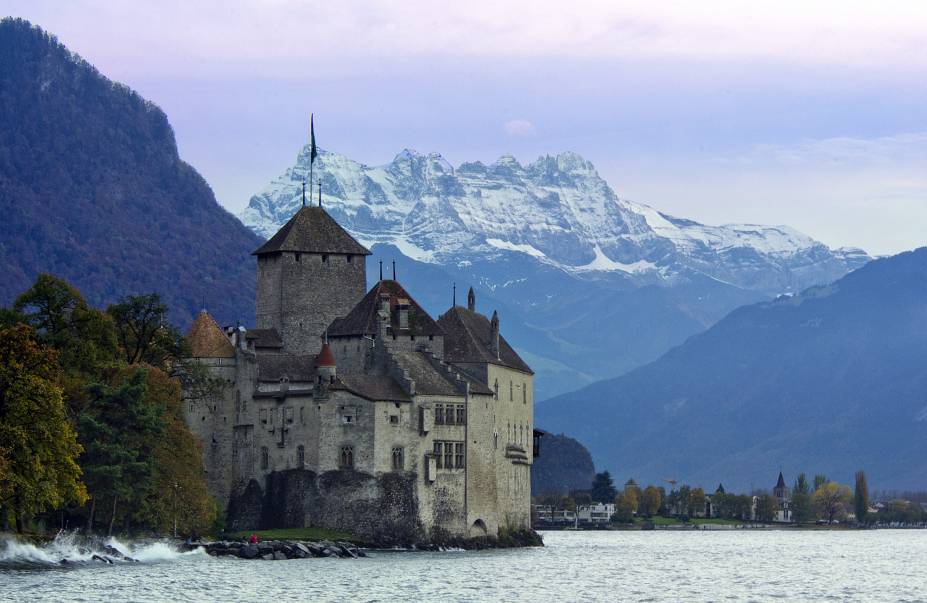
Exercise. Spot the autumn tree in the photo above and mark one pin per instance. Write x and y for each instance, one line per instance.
(38, 468)
(624, 508)
(831, 500)
(179, 496)
(651, 501)
(861, 497)
(802, 511)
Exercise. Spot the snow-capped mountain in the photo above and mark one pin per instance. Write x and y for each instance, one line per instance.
(552, 244)
(557, 210)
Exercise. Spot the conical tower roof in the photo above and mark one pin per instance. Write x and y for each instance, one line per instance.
(781, 482)
(312, 230)
(207, 340)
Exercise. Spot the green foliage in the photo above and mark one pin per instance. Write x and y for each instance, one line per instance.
(902, 512)
(802, 508)
(313, 534)
(831, 500)
(861, 497)
(143, 332)
(38, 447)
(119, 431)
(603, 488)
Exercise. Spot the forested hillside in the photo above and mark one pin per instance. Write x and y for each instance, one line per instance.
(92, 189)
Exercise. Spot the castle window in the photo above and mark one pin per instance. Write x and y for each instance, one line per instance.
(398, 459)
(302, 418)
(438, 457)
(495, 389)
(324, 257)
(448, 456)
(300, 456)
(297, 256)
(459, 461)
(394, 419)
(511, 391)
(264, 459)
(347, 457)
(461, 414)
(439, 414)
(350, 259)
(289, 414)
(347, 418)
(264, 416)
(449, 414)
(524, 393)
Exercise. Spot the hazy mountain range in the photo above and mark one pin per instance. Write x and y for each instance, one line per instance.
(589, 285)
(828, 381)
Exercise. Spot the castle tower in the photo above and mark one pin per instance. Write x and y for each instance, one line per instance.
(309, 273)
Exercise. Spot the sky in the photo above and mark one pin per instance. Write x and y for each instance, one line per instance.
(810, 114)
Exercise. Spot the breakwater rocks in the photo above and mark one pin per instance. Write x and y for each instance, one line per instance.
(279, 550)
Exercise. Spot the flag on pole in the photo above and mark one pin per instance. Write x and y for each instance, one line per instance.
(313, 153)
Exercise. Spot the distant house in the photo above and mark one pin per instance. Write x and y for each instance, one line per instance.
(596, 513)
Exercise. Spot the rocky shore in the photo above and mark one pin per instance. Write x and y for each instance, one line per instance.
(279, 550)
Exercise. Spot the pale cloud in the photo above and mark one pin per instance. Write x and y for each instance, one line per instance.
(519, 127)
(902, 148)
(290, 37)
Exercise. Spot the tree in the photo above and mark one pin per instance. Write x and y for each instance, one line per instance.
(767, 507)
(861, 497)
(603, 488)
(664, 504)
(802, 511)
(119, 431)
(143, 333)
(83, 336)
(179, 496)
(651, 501)
(831, 499)
(39, 468)
(682, 499)
(743, 507)
(819, 480)
(624, 509)
(697, 502)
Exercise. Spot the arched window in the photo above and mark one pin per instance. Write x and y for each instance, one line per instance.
(347, 457)
(300, 456)
(264, 460)
(398, 459)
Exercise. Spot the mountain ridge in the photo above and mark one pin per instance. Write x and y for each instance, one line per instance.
(553, 244)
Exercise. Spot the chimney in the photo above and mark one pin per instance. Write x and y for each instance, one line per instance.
(471, 300)
(494, 334)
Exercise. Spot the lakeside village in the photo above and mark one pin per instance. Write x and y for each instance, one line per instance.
(820, 503)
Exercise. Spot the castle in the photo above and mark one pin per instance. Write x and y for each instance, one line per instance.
(355, 410)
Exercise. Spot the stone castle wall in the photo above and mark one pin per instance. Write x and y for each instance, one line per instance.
(300, 294)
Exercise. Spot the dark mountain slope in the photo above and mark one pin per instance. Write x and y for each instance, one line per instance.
(832, 380)
(92, 189)
(562, 466)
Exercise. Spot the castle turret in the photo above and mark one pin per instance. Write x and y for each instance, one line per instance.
(325, 364)
(309, 273)
(494, 334)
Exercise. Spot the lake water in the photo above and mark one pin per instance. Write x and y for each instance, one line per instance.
(741, 565)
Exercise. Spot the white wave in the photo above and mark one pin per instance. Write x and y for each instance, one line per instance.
(69, 547)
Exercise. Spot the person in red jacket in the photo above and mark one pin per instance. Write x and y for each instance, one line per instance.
(253, 539)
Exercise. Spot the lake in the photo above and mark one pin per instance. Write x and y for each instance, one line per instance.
(735, 565)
